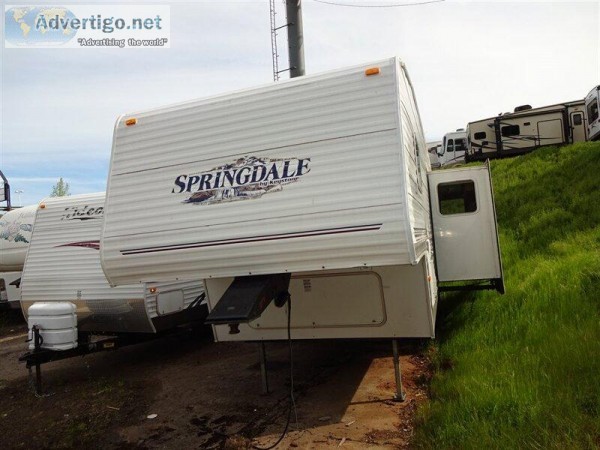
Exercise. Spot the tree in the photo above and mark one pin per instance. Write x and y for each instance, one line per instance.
(60, 189)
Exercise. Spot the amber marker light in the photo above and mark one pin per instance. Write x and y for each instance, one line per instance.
(153, 290)
(372, 71)
(130, 122)
(42, 206)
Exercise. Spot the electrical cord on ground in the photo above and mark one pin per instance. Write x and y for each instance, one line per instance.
(292, 403)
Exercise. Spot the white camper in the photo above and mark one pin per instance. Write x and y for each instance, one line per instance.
(316, 185)
(63, 265)
(453, 148)
(15, 234)
(526, 129)
(592, 105)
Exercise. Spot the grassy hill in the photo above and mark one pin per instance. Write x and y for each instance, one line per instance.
(523, 370)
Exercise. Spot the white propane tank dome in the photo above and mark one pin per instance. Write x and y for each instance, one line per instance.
(57, 322)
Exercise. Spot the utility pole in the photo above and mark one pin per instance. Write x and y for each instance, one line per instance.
(295, 37)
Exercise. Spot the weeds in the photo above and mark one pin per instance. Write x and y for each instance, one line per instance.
(521, 370)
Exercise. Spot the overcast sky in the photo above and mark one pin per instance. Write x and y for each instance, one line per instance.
(467, 61)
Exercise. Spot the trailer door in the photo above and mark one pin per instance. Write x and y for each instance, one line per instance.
(464, 224)
(578, 127)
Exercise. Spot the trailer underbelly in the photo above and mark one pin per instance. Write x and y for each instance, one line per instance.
(377, 302)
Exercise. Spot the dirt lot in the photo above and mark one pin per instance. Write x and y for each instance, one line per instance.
(208, 395)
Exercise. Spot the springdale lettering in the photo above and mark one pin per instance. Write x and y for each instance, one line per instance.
(248, 177)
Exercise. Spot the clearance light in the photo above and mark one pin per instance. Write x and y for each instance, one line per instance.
(130, 122)
(42, 206)
(372, 71)
(153, 290)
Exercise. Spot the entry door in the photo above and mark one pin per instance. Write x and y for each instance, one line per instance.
(464, 224)
(578, 126)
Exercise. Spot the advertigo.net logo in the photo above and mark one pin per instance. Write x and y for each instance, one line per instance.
(105, 24)
(84, 26)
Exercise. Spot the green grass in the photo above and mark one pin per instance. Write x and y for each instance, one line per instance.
(523, 370)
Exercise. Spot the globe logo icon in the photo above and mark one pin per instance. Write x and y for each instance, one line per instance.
(38, 26)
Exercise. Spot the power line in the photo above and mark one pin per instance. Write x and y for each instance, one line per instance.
(395, 5)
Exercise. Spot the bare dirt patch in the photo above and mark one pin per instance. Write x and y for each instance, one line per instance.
(208, 395)
(11, 324)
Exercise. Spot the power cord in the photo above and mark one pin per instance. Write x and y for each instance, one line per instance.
(292, 403)
(197, 301)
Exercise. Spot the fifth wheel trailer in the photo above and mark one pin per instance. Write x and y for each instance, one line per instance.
(318, 186)
(63, 265)
(526, 129)
(592, 105)
(16, 227)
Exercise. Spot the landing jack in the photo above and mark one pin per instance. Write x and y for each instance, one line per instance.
(400, 395)
(264, 378)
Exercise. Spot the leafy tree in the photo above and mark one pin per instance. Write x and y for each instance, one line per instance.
(60, 189)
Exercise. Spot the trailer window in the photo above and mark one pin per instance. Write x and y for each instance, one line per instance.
(480, 135)
(460, 145)
(577, 119)
(592, 111)
(511, 130)
(457, 197)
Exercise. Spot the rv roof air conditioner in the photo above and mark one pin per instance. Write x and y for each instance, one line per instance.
(522, 108)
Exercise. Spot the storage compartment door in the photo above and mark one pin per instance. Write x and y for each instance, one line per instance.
(169, 302)
(464, 223)
(551, 132)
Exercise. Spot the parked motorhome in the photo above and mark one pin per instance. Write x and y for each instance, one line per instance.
(316, 186)
(526, 129)
(63, 265)
(592, 105)
(453, 148)
(16, 227)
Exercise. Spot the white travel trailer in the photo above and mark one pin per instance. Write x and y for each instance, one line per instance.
(453, 148)
(592, 105)
(15, 234)
(63, 265)
(317, 185)
(526, 129)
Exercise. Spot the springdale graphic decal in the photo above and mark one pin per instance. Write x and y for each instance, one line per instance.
(246, 178)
